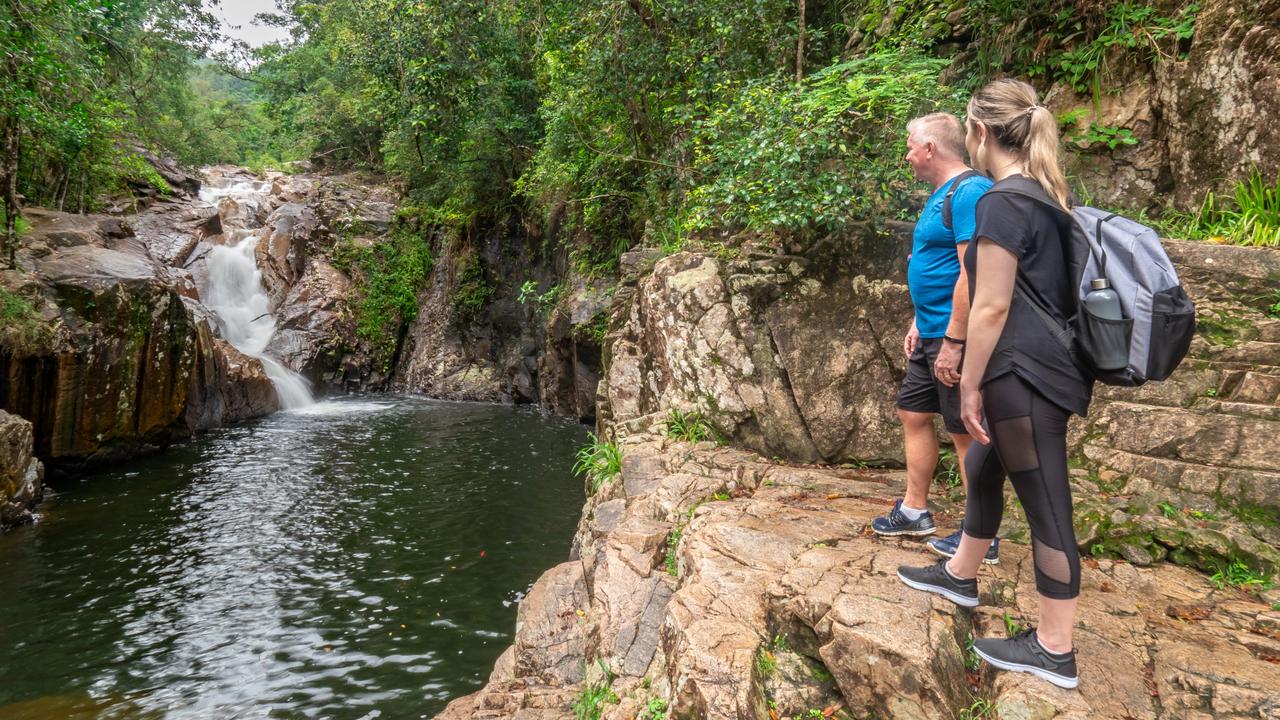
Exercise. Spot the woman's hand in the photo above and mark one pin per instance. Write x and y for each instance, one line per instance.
(910, 341)
(971, 413)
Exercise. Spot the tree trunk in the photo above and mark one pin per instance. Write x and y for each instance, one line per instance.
(9, 186)
(800, 46)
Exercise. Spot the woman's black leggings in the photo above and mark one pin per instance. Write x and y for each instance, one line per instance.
(1029, 444)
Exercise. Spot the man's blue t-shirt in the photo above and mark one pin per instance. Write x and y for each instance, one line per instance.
(935, 266)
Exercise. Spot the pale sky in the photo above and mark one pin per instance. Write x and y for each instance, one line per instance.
(237, 21)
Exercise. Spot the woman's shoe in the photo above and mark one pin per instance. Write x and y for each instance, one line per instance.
(1024, 653)
(935, 579)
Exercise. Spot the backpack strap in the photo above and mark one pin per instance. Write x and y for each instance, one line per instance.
(1032, 190)
(946, 200)
(1028, 188)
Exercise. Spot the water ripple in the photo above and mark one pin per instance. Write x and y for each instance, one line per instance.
(356, 558)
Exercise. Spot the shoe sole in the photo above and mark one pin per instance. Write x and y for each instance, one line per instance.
(961, 600)
(1062, 682)
(985, 560)
(895, 533)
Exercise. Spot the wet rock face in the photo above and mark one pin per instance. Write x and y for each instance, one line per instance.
(21, 474)
(1217, 102)
(127, 360)
(724, 586)
(513, 349)
(1202, 122)
(782, 360)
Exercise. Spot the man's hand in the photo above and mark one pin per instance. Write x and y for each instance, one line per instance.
(947, 367)
(911, 340)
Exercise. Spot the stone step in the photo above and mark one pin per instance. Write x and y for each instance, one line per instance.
(1251, 386)
(1263, 411)
(1252, 352)
(1243, 442)
(1147, 474)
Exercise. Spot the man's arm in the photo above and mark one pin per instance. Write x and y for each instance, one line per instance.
(947, 366)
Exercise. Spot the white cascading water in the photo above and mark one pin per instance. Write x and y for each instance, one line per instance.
(235, 294)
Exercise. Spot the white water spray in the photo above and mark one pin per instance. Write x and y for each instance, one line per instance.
(236, 296)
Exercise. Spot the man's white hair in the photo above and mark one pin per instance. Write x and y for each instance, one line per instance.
(944, 130)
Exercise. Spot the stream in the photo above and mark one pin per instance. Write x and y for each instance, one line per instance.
(356, 558)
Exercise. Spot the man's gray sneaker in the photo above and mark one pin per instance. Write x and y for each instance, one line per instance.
(935, 579)
(1024, 653)
(949, 545)
(898, 524)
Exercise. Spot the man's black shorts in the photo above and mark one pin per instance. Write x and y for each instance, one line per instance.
(924, 393)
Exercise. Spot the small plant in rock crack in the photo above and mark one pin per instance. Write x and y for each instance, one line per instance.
(655, 709)
(948, 469)
(766, 662)
(600, 460)
(542, 301)
(1169, 510)
(673, 563)
(971, 660)
(1012, 627)
(981, 708)
(1238, 574)
(594, 696)
(688, 426)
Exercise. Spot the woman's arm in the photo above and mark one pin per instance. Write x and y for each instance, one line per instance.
(995, 272)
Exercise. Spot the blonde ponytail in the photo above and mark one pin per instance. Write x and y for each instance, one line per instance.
(1012, 113)
(1042, 155)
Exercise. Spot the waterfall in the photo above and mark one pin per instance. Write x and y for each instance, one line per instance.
(237, 298)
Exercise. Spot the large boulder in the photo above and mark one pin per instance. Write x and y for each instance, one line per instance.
(21, 474)
(779, 358)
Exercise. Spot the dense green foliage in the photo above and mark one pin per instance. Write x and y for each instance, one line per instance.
(84, 82)
(391, 273)
(608, 123)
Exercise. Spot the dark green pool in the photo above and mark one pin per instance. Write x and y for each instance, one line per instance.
(361, 559)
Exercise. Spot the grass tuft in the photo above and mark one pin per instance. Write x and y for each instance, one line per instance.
(600, 460)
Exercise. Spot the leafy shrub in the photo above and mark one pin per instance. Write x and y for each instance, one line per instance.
(776, 155)
(543, 301)
(471, 291)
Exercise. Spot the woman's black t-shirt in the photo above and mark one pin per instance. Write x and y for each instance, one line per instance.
(1027, 347)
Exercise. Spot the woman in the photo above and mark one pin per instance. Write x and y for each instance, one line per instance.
(1019, 384)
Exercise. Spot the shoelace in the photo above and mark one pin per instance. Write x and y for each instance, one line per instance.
(1028, 636)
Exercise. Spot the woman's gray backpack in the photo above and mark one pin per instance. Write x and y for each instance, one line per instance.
(1158, 320)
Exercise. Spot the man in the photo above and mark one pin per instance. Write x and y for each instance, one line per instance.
(934, 344)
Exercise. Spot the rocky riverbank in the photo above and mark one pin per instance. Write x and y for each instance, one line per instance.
(710, 581)
(716, 584)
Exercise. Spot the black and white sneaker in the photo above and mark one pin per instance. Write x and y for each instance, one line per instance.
(935, 579)
(898, 524)
(1024, 653)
